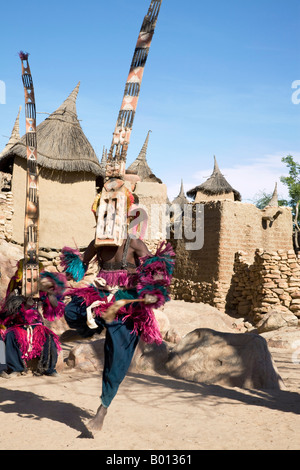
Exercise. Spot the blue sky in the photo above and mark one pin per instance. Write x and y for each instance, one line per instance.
(218, 81)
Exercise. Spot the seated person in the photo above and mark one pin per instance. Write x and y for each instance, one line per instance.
(22, 325)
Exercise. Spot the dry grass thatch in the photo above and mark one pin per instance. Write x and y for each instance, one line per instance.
(140, 166)
(215, 185)
(181, 198)
(61, 142)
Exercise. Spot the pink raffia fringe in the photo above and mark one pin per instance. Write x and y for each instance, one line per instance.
(121, 278)
(32, 347)
(51, 313)
(142, 316)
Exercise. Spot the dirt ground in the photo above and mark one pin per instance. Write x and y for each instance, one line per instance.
(150, 411)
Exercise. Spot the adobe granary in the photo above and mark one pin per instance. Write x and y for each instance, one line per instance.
(212, 274)
(216, 187)
(68, 173)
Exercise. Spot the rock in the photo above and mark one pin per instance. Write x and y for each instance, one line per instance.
(284, 338)
(188, 316)
(88, 356)
(58, 326)
(150, 357)
(230, 359)
(163, 320)
(60, 365)
(168, 333)
(276, 318)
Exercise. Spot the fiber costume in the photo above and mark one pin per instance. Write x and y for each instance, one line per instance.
(22, 325)
(117, 282)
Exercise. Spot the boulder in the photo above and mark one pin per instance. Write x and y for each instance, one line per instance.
(229, 359)
(88, 356)
(168, 333)
(275, 318)
(185, 317)
(58, 326)
(150, 358)
(284, 338)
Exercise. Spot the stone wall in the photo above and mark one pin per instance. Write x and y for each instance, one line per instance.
(273, 279)
(6, 214)
(191, 291)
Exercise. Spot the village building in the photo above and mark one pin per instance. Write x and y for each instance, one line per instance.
(216, 187)
(181, 199)
(69, 172)
(151, 194)
(140, 166)
(247, 258)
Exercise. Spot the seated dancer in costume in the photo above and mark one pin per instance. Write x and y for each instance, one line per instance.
(130, 283)
(22, 325)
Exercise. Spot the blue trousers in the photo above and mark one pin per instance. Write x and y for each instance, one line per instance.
(119, 347)
(15, 363)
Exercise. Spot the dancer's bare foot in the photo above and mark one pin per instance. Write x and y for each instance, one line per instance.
(96, 423)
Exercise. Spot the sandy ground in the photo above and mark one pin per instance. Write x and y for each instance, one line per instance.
(150, 412)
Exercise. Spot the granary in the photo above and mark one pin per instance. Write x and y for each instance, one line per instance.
(69, 172)
(151, 193)
(140, 166)
(237, 237)
(216, 187)
(181, 199)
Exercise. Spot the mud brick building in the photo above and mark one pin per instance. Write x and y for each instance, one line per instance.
(230, 226)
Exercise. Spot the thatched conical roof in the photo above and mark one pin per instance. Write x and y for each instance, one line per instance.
(215, 185)
(181, 198)
(15, 135)
(274, 199)
(140, 166)
(61, 142)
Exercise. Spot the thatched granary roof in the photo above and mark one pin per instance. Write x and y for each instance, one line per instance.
(140, 166)
(181, 198)
(274, 199)
(215, 185)
(61, 142)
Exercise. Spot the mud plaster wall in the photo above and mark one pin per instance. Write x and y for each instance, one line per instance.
(65, 207)
(206, 275)
(153, 198)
